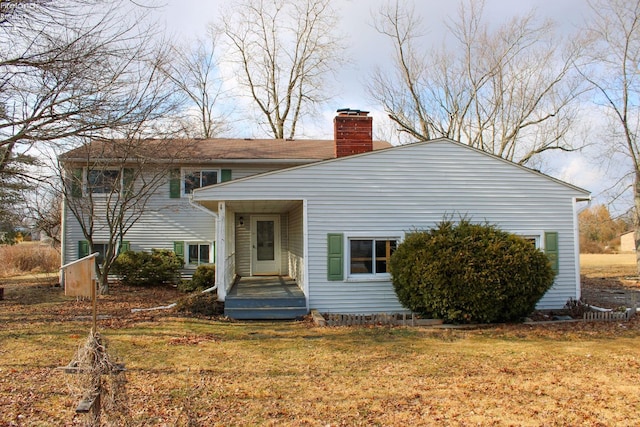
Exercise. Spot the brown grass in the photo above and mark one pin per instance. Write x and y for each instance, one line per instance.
(28, 258)
(185, 371)
(607, 260)
(608, 265)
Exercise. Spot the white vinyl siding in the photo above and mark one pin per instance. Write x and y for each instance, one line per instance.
(243, 244)
(296, 246)
(414, 187)
(165, 220)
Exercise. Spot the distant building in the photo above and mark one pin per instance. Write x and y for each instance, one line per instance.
(628, 242)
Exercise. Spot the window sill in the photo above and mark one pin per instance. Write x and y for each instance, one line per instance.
(369, 278)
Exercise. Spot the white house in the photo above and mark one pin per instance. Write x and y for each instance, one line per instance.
(331, 224)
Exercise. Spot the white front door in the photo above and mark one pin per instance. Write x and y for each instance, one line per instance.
(265, 245)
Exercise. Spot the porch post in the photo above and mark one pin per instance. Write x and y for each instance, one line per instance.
(221, 251)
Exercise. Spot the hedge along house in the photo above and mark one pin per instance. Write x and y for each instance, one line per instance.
(332, 226)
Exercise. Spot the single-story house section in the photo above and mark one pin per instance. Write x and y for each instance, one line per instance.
(332, 225)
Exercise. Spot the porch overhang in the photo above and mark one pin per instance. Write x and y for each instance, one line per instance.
(253, 206)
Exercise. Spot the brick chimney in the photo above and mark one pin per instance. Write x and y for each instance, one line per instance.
(353, 132)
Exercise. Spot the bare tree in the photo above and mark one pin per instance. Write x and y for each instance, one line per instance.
(57, 66)
(283, 50)
(108, 187)
(43, 208)
(110, 179)
(79, 72)
(508, 91)
(611, 67)
(195, 71)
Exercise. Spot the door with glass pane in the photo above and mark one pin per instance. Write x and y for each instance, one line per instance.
(265, 245)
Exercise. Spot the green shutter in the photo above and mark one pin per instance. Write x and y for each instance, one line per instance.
(335, 258)
(127, 181)
(225, 175)
(83, 248)
(174, 184)
(178, 248)
(551, 248)
(124, 247)
(76, 182)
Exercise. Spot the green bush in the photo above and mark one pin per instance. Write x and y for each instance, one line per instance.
(147, 269)
(469, 273)
(205, 276)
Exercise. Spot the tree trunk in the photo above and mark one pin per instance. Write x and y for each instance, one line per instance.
(103, 281)
(636, 216)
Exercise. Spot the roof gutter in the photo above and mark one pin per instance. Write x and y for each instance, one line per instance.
(202, 208)
(191, 161)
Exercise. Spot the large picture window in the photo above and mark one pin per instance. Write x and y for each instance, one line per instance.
(199, 178)
(370, 256)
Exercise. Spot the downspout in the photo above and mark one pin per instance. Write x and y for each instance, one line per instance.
(202, 208)
(215, 216)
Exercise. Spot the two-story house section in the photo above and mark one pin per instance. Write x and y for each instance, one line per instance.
(170, 220)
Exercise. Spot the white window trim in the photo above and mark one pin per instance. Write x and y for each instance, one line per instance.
(184, 171)
(532, 234)
(379, 277)
(212, 255)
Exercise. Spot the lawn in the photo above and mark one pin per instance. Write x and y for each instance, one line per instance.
(197, 371)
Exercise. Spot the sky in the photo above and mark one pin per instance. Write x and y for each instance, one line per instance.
(188, 19)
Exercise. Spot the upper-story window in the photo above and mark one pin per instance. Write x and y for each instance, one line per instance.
(199, 178)
(183, 181)
(103, 181)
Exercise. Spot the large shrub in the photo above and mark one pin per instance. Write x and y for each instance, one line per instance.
(469, 273)
(203, 278)
(144, 268)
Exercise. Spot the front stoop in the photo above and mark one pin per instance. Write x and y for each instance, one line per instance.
(265, 308)
(265, 298)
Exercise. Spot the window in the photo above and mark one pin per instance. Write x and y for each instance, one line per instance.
(534, 237)
(199, 178)
(199, 253)
(103, 181)
(182, 182)
(370, 256)
(533, 240)
(547, 242)
(101, 248)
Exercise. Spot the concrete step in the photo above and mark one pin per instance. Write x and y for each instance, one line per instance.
(264, 302)
(265, 313)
